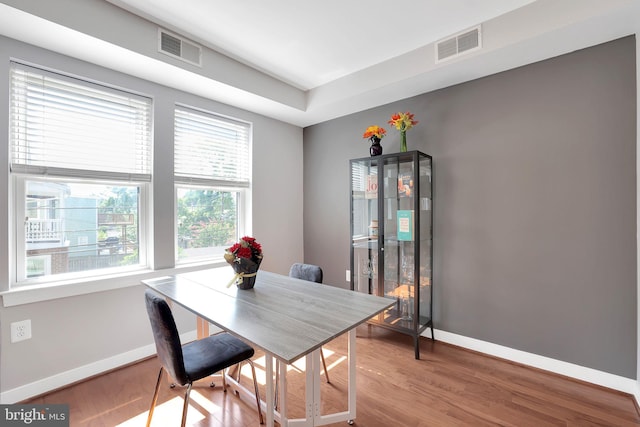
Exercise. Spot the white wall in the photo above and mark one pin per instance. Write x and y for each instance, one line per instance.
(81, 335)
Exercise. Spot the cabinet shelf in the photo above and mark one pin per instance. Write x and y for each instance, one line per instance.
(395, 320)
(391, 246)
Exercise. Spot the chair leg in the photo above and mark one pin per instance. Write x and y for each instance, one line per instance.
(186, 405)
(326, 373)
(238, 369)
(224, 381)
(155, 397)
(255, 386)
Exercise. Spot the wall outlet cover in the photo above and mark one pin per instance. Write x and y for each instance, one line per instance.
(21, 330)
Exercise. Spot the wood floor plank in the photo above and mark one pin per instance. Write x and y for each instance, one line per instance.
(449, 386)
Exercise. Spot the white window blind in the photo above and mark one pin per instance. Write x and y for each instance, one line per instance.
(211, 149)
(68, 127)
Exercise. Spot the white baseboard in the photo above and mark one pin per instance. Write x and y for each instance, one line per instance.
(62, 379)
(616, 382)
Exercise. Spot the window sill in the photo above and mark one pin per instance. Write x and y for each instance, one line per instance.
(38, 293)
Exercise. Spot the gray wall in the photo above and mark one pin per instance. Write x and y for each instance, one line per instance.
(535, 204)
(77, 333)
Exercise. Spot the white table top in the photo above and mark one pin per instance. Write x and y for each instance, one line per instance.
(285, 317)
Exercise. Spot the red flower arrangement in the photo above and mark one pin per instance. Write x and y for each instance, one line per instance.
(247, 247)
(245, 258)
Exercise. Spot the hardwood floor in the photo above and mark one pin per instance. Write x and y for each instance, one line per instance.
(449, 386)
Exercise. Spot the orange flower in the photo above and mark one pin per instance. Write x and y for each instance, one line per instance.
(376, 131)
(403, 121)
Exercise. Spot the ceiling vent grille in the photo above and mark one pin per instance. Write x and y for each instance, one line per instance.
(464, 42)
(178, 47)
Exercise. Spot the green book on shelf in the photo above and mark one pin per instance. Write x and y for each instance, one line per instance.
(405, 225)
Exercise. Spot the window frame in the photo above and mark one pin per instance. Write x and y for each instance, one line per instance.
(22, 171)
(244, 223)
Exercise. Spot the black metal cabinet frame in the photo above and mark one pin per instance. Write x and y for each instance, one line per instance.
(392, 237)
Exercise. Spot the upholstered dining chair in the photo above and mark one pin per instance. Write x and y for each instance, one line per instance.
(195, 360)
(312, 273)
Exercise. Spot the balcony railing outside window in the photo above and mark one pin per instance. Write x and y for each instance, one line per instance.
(43, 230)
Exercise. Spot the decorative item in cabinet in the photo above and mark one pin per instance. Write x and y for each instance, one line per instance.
(392, 238)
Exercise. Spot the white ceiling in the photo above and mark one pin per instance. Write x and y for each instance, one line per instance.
(310, 43)
(304, 62)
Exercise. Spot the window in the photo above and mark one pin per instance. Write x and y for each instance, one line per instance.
(80, 165)
(212, 175)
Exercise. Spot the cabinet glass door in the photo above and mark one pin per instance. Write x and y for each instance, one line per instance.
(364, 226)
(424, 206)
(398, 239)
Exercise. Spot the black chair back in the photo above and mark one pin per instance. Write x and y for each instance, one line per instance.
(309, 272)
(166, 336)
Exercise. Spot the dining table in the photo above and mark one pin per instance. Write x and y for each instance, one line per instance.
(286, 318)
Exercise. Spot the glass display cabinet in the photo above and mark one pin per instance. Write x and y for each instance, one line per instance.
(391, 238)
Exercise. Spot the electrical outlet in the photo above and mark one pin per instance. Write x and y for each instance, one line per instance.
(348, 276)
(21, 331)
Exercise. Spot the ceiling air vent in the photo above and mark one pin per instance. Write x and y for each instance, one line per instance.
(178, 47)
(459, 44)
